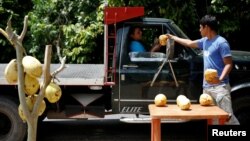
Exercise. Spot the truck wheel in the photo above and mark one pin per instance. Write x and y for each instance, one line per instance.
(241, 110)
(12, 127)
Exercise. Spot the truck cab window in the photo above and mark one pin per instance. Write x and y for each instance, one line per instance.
(143, 43)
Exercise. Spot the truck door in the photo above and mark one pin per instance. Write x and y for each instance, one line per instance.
(134, 89)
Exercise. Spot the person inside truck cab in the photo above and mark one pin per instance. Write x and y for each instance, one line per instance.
(135, 41)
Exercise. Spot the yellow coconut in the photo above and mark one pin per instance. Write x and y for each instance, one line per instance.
(205, 99)
(21, 114)
(210, 75)
(32, 66)
(160, 100)
(10, 72)
(42, 108)
(163, 39)
(183, 102)
(30, 101)
(180, 98)
(31, 84)
(53, 92)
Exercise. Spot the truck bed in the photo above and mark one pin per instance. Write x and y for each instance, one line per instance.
(73, 74)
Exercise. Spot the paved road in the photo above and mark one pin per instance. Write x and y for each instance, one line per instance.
(113, 130)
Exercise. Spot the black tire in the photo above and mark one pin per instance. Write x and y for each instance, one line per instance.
(241, 106)
(12, 127)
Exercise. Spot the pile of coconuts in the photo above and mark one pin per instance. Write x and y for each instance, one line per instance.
(32, 72)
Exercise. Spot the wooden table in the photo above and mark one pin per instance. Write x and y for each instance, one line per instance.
(174, 112)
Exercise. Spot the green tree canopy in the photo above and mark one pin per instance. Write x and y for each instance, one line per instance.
(16, 9)
(75, 25)
(78, 25)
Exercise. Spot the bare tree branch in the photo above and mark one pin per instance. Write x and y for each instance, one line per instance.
(62, 61)
(46, 80)
(25, 25)
(9, 30)
(5, 35)
(16, 41)
(11, 35)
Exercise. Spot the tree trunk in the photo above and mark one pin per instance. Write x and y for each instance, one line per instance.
(16, 41)
(32, 129)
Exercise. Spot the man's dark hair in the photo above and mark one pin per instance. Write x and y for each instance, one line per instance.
(210, 21)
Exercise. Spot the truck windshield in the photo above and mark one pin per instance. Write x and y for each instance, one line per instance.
(181, 34)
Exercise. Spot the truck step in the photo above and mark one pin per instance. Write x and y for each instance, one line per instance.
(148, 120)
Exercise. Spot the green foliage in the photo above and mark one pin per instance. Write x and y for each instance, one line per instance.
(74, 24)
(182, 12)
(78, 25)
(234, 20)
(232, 12)
(233, 15)
(16, 9)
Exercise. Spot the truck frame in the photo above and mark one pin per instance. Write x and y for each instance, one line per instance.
(127, 82)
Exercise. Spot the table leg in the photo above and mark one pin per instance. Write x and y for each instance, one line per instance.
(222, 121)
(209, 121)
(155, 129)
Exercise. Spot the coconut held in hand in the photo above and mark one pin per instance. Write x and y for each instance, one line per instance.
(160, 100)
(163, 40)
(210, 75)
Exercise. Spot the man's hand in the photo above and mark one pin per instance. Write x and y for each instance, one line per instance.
(169, 36)
(156, 41)
(156, 45)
